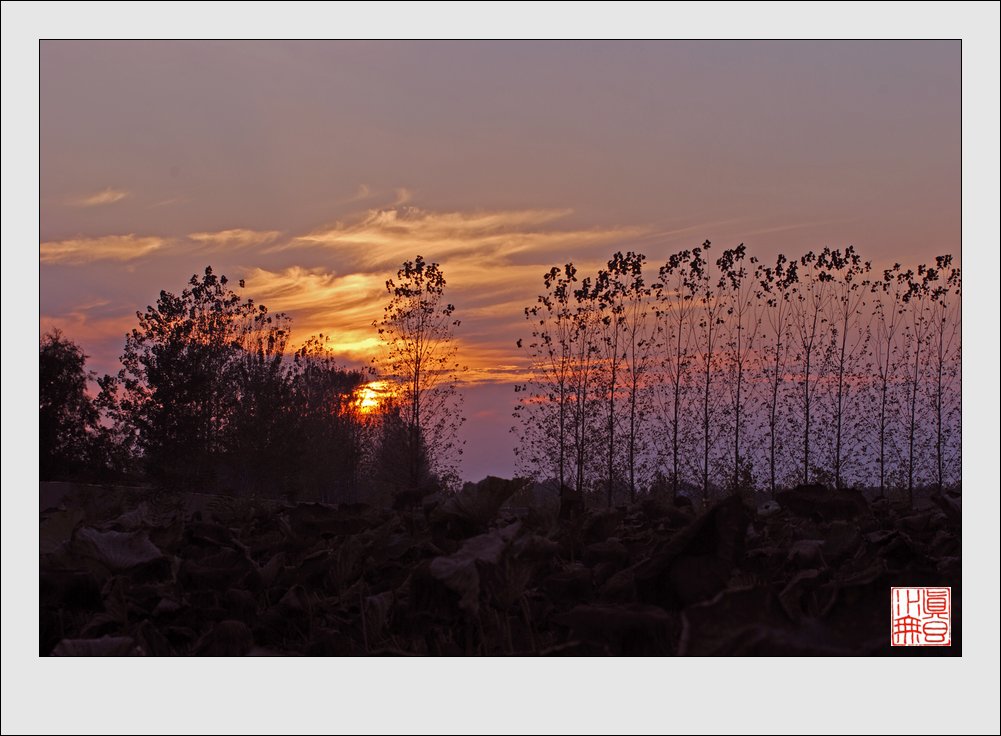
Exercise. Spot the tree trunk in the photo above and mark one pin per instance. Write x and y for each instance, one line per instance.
(632, 438)
(705, 434)
(882, 436)
(806, 422)
(736, 433)
(611, 424)
(913, 426)
(773, 414)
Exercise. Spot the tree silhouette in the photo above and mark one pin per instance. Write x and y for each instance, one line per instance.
(753, 353)
(67, 422)
(811, 295)
(848, 338)
(584, 368)
(546, 412)
(569, 414)
(706, 325)
(775, 284)
(260, 439)
(332, 440)
(675, 305)
(739, 297)
(945, 346)
(175, 394)
(917, 298)
(864, 372)
(640, 341)
(417, 328)
(610, 294)
(887, 318)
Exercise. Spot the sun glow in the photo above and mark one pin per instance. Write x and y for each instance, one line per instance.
(369, 397)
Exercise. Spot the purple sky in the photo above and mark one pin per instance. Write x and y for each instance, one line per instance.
(313, 169)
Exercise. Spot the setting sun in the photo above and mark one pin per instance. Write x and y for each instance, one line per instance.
(368, 397)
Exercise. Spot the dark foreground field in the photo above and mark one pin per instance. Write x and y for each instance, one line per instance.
(123, 573)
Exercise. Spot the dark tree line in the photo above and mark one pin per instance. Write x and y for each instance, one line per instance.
(210, 397)
(742, 376)
(68, 429)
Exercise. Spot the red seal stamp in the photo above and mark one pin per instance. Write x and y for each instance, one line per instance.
(921, 617)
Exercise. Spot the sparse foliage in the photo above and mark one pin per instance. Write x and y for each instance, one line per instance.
(805, 365)
(417, 329)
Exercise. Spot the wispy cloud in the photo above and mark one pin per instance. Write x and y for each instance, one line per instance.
(362, 193)
(235, 238)
(168, 202)
(388, 236)
(106, 248)
(795, 226)
(90, 305)
(105, 196)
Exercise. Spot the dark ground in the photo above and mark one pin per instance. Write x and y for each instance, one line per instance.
(127, 572)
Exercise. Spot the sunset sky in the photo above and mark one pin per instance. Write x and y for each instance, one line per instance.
(313, 169)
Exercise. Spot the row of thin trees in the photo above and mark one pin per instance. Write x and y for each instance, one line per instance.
(713, 375)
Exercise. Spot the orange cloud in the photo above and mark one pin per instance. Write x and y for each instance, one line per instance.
(105, 248)
(340, 307)
(493, 261)
(344, 307)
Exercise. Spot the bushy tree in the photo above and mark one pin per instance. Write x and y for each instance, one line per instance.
(260, 439)
(175, 395)
(67, 422)
(391, 460)
(331, 437)
(210, 396)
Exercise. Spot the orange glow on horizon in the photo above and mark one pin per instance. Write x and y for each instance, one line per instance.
(368, 398)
